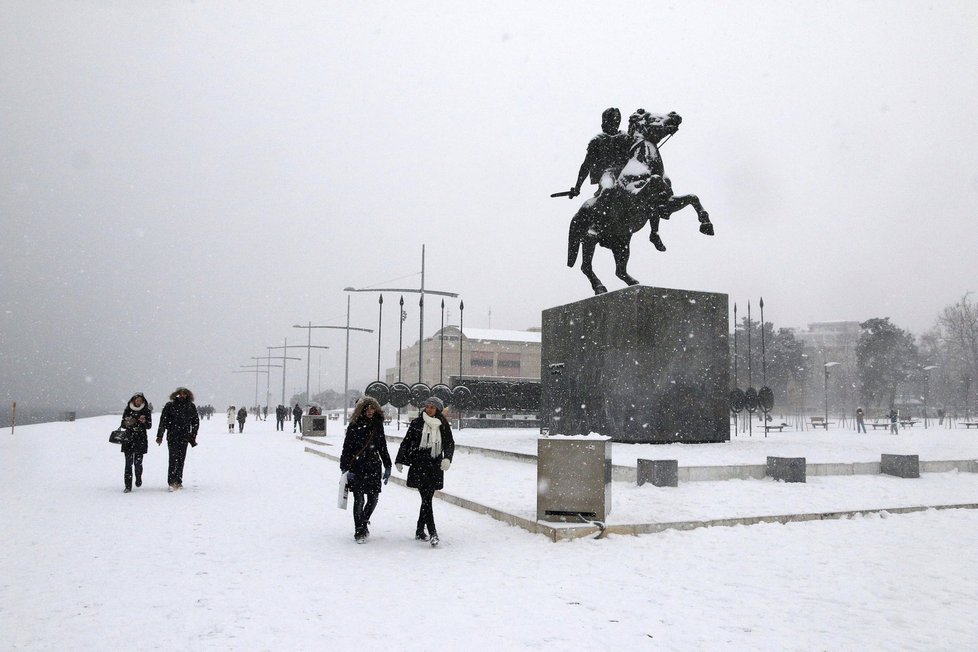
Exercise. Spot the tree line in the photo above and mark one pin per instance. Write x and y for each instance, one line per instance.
(891, 366)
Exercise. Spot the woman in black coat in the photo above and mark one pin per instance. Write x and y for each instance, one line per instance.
(364, 450)
(137, 418)
(427, 448)
(180, 422)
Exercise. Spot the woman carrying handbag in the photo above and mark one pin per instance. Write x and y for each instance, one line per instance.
(137, 418)
(364, 453)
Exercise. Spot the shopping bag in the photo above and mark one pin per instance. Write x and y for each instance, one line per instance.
(344, 492)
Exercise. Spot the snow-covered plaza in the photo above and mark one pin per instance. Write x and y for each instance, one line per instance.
(254, 555)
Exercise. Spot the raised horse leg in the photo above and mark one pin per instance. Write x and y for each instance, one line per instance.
(679, 202)
(588, 253)
(621, 254)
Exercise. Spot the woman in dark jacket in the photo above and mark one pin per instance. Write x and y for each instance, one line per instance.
(364, 450)
(427, 448)
(242, 415)
(180, 422)
(137, 418)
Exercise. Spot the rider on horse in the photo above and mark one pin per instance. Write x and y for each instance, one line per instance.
(607, 154)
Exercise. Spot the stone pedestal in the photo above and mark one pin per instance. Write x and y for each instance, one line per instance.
(903, 466)
(640, 365)
(573, 478)
(661, 473)
(786, 469)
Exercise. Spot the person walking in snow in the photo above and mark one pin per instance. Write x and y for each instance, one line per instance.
(242, 417)
(296, 417)
(894, 415)
(264, 413)
(232, 413)
(280, 413)
(427, 448)
(364, 452)
(860, 420)
(179, 421)
(137, 418)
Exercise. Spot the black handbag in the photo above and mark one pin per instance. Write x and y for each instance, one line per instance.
(120, 436)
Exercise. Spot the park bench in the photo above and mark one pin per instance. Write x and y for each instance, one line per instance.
(907, 423)
(820, 422)
(969, 424)
(387, 421)
(877, 425)
(779, 427)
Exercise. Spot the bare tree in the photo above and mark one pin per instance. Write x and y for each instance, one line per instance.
(958, 324)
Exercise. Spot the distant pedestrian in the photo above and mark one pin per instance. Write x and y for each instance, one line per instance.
(180, 423)
(894, 416)
(860, 420)
(232, 413)
(940, 416)
(280, 413)
(314, 410)
(137, 418)
(296, 417)
(242, 417)
(364, 452)
(427, 447)
(264, 413)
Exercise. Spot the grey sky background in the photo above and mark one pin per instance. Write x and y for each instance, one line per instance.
(181, 182)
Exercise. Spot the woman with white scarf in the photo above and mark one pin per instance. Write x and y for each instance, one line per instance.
(427, 448)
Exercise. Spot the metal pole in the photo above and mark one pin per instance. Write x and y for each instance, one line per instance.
(421, 321)
(461, 321)
(380, 320)
(441, 360)
(400, 348)
(308, 364)
(826, 395)
(421, 338)
(346, 372)
(763, 356)
(13, 418)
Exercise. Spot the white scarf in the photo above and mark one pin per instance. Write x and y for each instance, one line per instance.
(134, 408)
(431, 434)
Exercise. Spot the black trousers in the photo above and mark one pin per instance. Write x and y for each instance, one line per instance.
(280, 423)
(178, 454)
(133, 459)
(426, 517)
(364, 505)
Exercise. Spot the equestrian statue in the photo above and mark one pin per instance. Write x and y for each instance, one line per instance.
(632, 190)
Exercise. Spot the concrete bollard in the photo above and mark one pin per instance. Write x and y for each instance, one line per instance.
(786, 469)
(661, 473)
(902, 466)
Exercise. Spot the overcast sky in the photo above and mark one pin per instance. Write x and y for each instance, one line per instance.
(180, 182)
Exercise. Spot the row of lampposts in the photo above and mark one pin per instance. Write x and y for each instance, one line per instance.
(284, 357)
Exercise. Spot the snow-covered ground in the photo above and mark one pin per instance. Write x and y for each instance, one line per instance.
(254, 555)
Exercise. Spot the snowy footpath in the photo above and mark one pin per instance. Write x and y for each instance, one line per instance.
(254, 555)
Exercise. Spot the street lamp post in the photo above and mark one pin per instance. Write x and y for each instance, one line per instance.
(284, 357)
(422, 291)
(346, 373)
(928, 369)
(827, 365)
(309, 348)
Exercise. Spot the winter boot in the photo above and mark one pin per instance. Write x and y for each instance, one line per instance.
(360, 536)
(434, 540)
(139, 480)
(420, 535)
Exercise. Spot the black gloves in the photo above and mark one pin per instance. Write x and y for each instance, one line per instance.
(387, 474)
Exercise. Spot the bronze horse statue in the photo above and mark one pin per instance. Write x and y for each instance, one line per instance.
(642, 193)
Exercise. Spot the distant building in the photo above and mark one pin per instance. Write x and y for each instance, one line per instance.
(825, 342)
(484, 352)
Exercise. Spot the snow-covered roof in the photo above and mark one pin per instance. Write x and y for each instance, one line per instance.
(501, 335)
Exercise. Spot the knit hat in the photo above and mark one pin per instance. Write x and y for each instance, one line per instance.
(437, 402)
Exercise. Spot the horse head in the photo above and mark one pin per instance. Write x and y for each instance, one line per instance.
(654, 126)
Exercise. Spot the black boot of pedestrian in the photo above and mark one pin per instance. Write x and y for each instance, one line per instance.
(139, 481)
